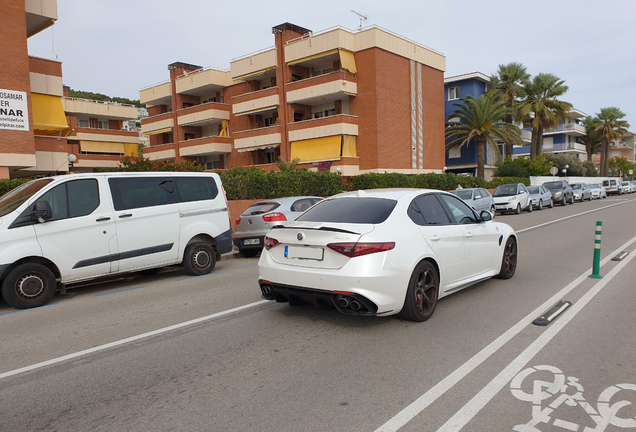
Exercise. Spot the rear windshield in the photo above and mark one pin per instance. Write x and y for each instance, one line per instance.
(463, 194)
(260, 208)
(553, 185)
(350, 210)
(533, 190)
(17, 196)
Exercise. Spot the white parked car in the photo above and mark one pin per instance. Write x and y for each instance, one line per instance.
(512, 197)
(65, 229)
(627, 187)
(384, 252)
(597, 190)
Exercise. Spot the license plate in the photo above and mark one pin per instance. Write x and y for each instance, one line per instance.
(301, 252)
(251, 241)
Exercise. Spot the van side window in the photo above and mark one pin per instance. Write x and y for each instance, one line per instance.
(72, 199)
(129, 193)
(196, 188)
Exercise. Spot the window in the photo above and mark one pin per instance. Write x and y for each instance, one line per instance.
(189, 136)
(301, 205)
(102, 124)
(350, 210)
(196, 188)
(187, 105)
(478, 194)
(330, 112)
(82, 123)
(129, 193)
(260, 208)
(453, 93)
(427, 210)
(72, 199)
(460, 211)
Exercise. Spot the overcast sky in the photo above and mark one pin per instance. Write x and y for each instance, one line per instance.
(117, 47)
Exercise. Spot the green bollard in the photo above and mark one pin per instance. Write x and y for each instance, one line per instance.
(596, 265)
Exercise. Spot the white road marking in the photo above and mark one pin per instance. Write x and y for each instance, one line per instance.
(573, 216)
(558, 312)
(128, 340)
(468, 411)
(420, 404)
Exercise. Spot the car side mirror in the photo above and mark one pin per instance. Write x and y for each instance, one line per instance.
(485, 215)
(42, 211)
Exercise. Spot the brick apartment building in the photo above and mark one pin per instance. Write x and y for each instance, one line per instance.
(361, 101)
(39, 126)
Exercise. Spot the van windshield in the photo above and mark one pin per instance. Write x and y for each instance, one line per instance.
(17, 196)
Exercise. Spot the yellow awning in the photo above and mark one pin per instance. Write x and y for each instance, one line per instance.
(347, 60)
(304, 59)
(257, 147)
(48, 113)
(317, 149)
(257, 110)
(131, 149)
(223, 132)
(254, 74)
(349, 146)
(158, 131)
(102, 147)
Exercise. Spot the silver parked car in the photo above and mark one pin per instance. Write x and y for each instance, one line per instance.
(627, 187)
(597, 190)
(252, 225)
(541, 197)
(478, 198)
(581, 192)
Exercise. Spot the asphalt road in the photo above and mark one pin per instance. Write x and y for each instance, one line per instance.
(171, 352)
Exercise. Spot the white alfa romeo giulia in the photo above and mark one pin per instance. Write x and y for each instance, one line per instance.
(384, 252)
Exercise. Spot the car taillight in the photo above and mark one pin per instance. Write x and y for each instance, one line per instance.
(359, 249)
(274, 217)
(270, 242)
(238, 221)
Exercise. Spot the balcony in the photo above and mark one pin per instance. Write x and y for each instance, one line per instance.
(40, 15)
(203, 82)
(203, 115)
(526, 135)
(569, 128)
(327, 41)
(254, 64)
(257, 139)
(159, 123)
(330, 86)
(158, 94)
(45, 76)
(106, 135)
(255, 102)
(342, 124)
(205, 146)
(160, 152)
(110, 110)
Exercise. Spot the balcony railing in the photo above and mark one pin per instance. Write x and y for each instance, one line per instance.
(569, 127)
(321, 85)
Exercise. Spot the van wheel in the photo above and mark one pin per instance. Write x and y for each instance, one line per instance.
(199, 259)
(28, 285)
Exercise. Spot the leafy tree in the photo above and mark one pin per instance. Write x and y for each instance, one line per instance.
(523, 167)
(592, 138)
(589, 169)
(541, 100)
(620, 166)
(481, 120)
(560, 160)
(509, 83)
(612, 128)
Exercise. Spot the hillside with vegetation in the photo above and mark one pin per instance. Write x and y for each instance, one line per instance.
(102, 97)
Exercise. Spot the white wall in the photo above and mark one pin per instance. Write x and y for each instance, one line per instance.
(536, 181)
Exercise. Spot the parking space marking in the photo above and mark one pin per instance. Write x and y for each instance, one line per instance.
(192, 277)
(23, 310)
(119, 291)
(435, 392)
(128, 340)
(253, 265)
(573, 216)
(481, 399)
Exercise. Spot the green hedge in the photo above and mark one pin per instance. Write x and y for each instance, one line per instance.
(254, 183)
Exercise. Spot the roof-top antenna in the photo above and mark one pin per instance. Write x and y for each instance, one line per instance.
(362, 17)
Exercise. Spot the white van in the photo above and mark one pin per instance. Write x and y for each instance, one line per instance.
(65, 229)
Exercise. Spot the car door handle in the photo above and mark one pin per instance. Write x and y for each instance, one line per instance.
(435, 238)
(468, 235)
(125, 215)
(102, 219)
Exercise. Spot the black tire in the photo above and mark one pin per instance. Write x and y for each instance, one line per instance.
(509, 260)
(29, 285)
(518, 209)
(551, 205)
(540, 204)
(590, 198)
(493, 211)
(529, 209)
(563, 201)
(572, 199)
(249, 253)
(421, 294)
(199, 259)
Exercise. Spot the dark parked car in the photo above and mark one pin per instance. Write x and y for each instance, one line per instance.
(561, 191)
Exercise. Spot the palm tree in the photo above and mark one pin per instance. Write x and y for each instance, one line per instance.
(541, 104)
(612, 128)
(287, 166)
(509, 83)
(481, 120)
(592, 138)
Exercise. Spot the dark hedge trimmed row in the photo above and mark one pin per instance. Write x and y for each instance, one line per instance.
(254, 183)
